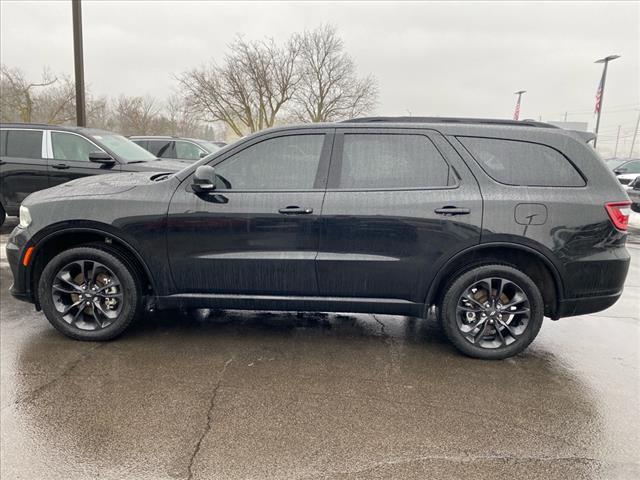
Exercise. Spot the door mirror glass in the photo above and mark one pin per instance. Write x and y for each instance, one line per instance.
(204, 179)
(620, 171)
(101, 157)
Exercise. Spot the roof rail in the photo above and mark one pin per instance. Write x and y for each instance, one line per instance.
(473, 121)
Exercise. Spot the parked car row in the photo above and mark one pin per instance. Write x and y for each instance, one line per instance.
(375, 215)
(35, 157)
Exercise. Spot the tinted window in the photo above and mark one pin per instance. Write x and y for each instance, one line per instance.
(24, 143)
(67, 146)
(282, 163)
(522, 163)
(391, 161)
(162, 148)
(3, 142)
(188, 151)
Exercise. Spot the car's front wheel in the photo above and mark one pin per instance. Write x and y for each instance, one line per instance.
(89, 294)
(492, 311)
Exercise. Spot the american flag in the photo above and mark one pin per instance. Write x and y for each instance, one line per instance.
(516, 113)
(599, 95)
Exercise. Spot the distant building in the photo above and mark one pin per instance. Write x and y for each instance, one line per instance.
(580, 126)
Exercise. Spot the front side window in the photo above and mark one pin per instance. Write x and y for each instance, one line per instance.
(391, 161)
(24, 144)
(514, 162)
(67, 146)
(281, 163)
(188, 151)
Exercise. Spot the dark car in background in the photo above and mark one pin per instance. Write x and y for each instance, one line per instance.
(34, 157)
(192, 149)
(377, 215)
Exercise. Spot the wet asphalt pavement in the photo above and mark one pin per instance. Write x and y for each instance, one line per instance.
(234, 395)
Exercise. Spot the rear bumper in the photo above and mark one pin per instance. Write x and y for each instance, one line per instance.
(581, 306)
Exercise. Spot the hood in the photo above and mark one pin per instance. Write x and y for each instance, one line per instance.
(164, 165)
(95, 185)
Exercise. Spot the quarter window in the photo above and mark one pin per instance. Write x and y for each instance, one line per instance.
(24, 143)
(514, 162)
(281, 163)
(391, 161)
(67, 146)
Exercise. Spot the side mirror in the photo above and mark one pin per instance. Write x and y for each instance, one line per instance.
(203, 154)
(204, 179)
(620, 171)
(101, 157)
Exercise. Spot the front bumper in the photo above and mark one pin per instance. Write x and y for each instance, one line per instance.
(16, 244)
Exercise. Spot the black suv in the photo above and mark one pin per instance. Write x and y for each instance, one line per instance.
(177, 147)
(497, 224)
(35, 157)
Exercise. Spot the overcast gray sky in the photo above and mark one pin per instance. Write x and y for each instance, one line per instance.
(437, 58)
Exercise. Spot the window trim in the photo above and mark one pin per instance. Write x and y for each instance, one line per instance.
(49, 142)
(518, 185)
(42, 141)
(336, 160)
(322, 171)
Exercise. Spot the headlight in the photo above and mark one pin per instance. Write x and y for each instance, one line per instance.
(25, 217)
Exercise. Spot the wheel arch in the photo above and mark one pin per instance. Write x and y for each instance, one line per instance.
(59, 239)
(531, 261)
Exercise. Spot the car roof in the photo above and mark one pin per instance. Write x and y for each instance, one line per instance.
(63, 128)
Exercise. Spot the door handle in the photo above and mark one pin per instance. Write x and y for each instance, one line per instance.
(295, 210)
(451, 210)
(60, 166)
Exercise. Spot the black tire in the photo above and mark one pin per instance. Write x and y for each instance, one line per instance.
(129, 291)
(454, 318)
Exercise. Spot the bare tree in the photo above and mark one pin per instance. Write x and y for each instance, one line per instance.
(249, 89)
(17, 94)
(136, 115)
(329, 88)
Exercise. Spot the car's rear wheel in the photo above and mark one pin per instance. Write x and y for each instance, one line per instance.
(89, 294)
(492, 311)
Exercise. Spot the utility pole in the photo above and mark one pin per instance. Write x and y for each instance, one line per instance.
(516, 113)
(600, 92)
(615, 152)
(81, 115)
(635, 135)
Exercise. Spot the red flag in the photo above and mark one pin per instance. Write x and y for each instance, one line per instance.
(599, 95)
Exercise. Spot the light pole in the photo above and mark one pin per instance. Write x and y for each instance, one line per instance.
(81, 116)
(516, 113)
(600, 92)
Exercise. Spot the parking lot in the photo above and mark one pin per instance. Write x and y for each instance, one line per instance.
(231, 395)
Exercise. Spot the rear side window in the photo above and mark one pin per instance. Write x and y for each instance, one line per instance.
(391, 161)
(24, 143)
(514, 162)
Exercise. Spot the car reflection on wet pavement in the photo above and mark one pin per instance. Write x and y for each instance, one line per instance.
(270, 395)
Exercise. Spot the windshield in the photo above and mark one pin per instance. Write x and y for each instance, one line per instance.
(211, 147)
(124, 148)
(614, 163)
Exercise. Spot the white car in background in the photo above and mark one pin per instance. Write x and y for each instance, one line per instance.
(626, 170)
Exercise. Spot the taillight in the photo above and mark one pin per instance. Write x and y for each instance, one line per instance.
(618, 213)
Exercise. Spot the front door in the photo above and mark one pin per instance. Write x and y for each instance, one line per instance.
(258, 231)
(69, 158)
(398, 204)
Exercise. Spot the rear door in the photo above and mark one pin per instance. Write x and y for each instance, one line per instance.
(23, 168)
(399, 202)
(68, 155)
